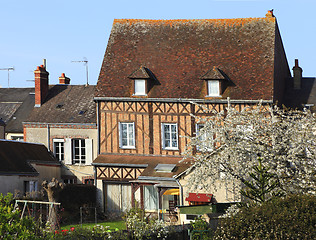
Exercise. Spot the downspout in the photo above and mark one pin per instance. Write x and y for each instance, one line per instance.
(98, 128)
(48, 137)
(181, 192)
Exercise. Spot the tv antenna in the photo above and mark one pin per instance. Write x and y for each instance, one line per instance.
(85, 62)
(8, 69)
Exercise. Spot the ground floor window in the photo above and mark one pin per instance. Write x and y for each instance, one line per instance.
(150, 197)
(30, 186)
(117, 197)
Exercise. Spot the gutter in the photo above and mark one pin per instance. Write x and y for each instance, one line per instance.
(119, 165)
(178, 100)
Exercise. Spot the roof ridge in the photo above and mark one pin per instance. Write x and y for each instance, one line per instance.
(174, 21)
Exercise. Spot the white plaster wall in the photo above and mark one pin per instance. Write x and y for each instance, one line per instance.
(47, 172)
(39, 135)
(224, 191)
(14, 183)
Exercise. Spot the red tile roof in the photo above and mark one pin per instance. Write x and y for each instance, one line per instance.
(179, 52)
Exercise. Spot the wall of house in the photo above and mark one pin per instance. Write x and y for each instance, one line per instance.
(14, 183)
(39, 134)
(47, 172)
(223, 191)
(148, 118)
(2, 131)
(282, 72)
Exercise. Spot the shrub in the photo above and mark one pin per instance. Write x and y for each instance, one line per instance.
(200, 229)
(12, 227)
(74, 196)
(291, 217)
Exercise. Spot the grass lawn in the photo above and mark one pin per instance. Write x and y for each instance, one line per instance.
(115, 224)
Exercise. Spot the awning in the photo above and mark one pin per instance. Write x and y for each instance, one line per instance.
(174, 191)
(199, 197)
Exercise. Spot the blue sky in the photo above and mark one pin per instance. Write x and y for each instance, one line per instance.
(62, 31)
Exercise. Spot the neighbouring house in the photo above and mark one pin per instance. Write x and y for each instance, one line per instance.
(301, 91)
(15, 106)
(64, 120)
(24, 166)
(152, 74)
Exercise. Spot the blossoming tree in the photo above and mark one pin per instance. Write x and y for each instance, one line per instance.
(229, 143)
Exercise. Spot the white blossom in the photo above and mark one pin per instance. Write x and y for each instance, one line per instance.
(284, 140)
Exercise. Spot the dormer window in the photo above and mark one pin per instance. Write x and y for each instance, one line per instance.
(142, 81)
(213, 88)
(216, 82)
(140, 87)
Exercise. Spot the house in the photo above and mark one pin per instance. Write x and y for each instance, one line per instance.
(15, 107)
(64, 120)
(152, 74)
(24, 166)
(301, 91)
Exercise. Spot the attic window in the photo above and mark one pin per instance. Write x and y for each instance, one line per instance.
(165, 167)
(142, 81)
(82, 112)
(213, 88)
(140, 87)
(216, 82)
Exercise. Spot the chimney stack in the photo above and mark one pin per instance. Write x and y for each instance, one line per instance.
(41, 85)
(63, 79)
(297, 76)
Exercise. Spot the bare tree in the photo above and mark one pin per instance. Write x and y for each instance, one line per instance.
(53, 189)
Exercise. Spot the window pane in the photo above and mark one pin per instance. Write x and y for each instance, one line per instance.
(170, 135)
(140, 87)
(213, 88)
(127, 135)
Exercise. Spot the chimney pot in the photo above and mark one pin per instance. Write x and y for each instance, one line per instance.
(63, 79)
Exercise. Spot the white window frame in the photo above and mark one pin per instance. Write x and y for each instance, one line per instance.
(79, 158)
(130, 142)
(213, 85)
(204, 148)
(58, 141)
(140, 87)
(163, 136)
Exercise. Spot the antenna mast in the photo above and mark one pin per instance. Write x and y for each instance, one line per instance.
(85, 62)
(8, 69)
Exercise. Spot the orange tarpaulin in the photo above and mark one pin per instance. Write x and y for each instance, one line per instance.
(174, 191)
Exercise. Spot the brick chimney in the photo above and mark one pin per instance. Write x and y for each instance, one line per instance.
(297, 76)
(41, 84)
(63, 79)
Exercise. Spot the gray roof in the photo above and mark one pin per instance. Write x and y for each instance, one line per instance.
(15, 107)
(297, 98)
(15, 157)
(66, 104)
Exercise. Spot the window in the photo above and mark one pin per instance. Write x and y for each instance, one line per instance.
(213, 88)
(79, 151)
(150, 197)
(17, 138)
(140, 87)
(169, 136)
(127, 135)
(206, 141)
(30, 186)
(59, 152)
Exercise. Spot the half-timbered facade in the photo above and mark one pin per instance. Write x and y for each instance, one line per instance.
(153, 73)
